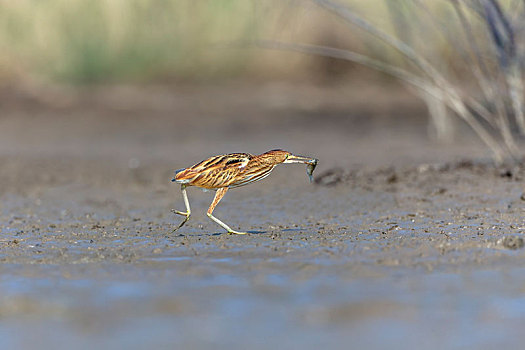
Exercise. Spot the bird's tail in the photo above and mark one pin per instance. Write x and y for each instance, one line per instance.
(183, 176)
(176, 173)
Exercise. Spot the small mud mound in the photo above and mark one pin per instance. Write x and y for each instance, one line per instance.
(511, 242)
(331, 177)
(429, 174)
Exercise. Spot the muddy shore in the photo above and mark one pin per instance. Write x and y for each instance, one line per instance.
(399, 242)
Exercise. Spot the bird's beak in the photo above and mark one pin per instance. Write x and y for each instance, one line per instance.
(300, 159)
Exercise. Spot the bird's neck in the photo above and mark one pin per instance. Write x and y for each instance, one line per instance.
(267, 160)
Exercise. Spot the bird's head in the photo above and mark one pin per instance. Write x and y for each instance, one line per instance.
(279, 156)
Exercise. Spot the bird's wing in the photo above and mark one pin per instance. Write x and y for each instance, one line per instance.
(217, 171)
(222, 161)
(252, 174)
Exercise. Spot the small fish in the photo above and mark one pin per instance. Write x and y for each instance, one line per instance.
(310, 169)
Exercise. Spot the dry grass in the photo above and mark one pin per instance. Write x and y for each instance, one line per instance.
(483, 85)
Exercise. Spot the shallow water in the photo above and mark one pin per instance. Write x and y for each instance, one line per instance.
(480, 309)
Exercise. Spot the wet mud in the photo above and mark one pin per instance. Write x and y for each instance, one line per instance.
(397, 243)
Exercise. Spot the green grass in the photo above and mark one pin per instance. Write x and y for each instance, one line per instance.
(91, 41)
(101, 41)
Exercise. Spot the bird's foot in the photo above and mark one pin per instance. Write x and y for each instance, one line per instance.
(182, 223)
(233, 232)
(178, 212)
(187, 217)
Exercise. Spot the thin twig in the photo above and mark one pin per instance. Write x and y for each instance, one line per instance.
(448, 95)
(345, 13)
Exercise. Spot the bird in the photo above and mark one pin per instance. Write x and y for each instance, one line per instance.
(222, 172)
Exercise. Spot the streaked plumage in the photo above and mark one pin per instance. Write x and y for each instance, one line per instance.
(230, 171)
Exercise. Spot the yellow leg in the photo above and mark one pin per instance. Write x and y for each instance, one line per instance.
(218, 196)
(188, 210)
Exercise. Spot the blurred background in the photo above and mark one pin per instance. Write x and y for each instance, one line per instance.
(139, 42)
(455, 64)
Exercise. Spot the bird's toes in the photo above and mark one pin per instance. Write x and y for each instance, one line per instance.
(236, 233)
(180, 212)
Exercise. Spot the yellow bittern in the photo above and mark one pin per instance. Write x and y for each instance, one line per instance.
(226, 171)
